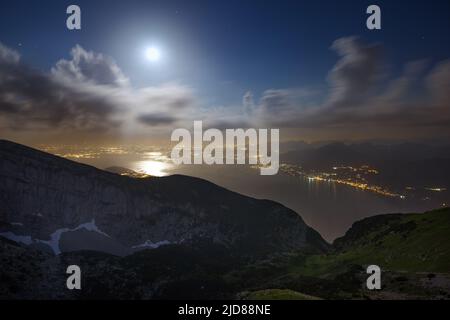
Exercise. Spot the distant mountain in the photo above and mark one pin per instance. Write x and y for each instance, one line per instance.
(57, 205)
(399, 165)
(324, 156)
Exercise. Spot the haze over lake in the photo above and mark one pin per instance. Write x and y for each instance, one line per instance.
(328, 207)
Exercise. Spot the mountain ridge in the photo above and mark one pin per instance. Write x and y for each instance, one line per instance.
(46, 197)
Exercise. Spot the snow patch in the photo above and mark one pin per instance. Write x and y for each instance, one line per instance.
(54, 237)
(17, 238)
(151, 245)
(90, 226)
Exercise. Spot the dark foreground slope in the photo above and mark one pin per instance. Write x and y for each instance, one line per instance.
(59, 205)
(202, 241)
(413, 259)
(168, 272)
(171, 237)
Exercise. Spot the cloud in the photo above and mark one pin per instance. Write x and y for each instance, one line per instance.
(86, 93)
(411, 102)
(31, 99)
(156, 119)
(224, 124)
(89, 93)
(8, 55)
(361, 95)
(275, 100)
(91, 67)
(275, 107)
(438, 82)
(248, 102)
(354, 75)
(398, 89)
(168, 97)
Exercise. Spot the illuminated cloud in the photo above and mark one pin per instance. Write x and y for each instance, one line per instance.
(31, 99)
(353, 77)
(88, 93)
(91, 67)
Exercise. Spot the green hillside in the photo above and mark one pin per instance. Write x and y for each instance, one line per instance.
(278, 294)
(413, 251)
(410, 242)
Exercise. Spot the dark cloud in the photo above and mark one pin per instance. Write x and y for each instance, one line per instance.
(89, 92)
(361, 96)
(30, 98)
(156, 119)
(228, 124)
(168, 97)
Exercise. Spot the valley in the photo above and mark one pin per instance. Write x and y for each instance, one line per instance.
(179, 237)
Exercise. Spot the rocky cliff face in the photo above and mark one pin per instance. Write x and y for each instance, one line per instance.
(59, 205)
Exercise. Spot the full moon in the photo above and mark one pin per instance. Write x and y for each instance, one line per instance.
(152, 54)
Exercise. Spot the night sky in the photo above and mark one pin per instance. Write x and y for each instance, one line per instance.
(311, 68)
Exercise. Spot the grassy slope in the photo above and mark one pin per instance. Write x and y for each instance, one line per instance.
(278, 294)
(412, 243)
(405, 246)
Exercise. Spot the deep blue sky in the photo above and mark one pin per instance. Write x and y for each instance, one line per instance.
(224, 48)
